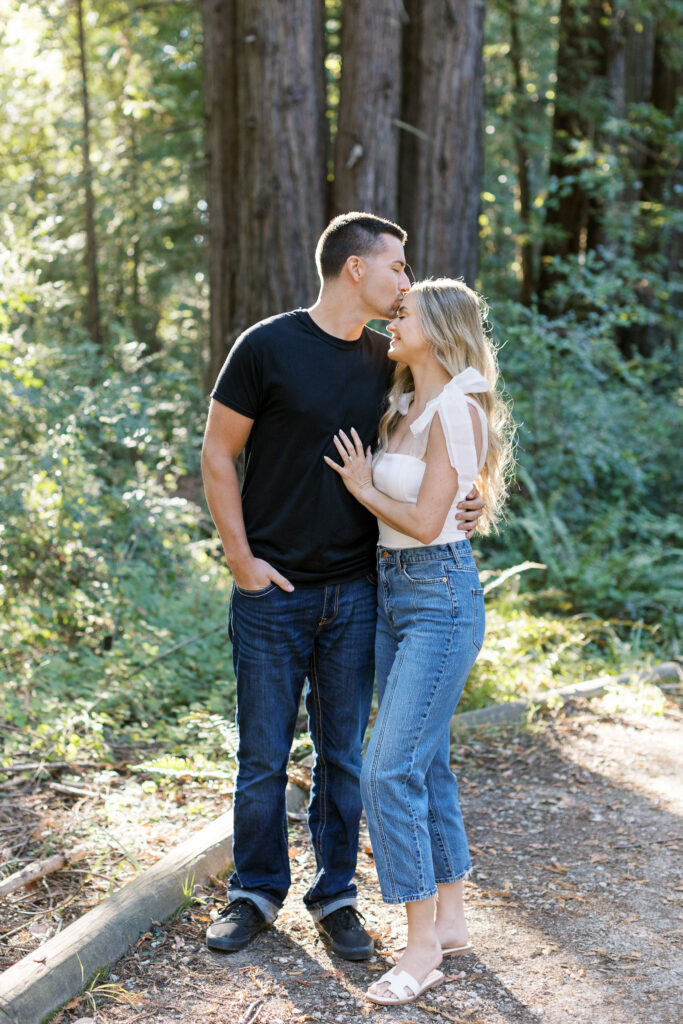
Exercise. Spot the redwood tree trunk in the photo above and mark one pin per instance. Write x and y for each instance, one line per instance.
(93, 307)
(579, 106)
(522, 158)
(366, 146)
(265, 110)
(440, 163)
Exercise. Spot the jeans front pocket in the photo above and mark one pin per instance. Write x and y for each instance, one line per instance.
(478, 617)
(425, 572)
(255, 593)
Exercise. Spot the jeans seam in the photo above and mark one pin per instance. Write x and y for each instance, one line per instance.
(317, 840)
(476, 592)
(416, 745)
(438, 835)
(372, 782)
(437, 681)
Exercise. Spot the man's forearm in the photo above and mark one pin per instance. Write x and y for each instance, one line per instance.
(222, 489)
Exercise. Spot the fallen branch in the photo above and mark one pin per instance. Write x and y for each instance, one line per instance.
(60, 787)
(514, 570)
(48, 766)
(32, 872)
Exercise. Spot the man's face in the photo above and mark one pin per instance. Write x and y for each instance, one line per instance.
(385, 280)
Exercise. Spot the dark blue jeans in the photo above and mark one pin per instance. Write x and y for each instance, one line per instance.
(326, 635)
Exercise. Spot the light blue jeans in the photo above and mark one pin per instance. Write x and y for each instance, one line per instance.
(430, 629)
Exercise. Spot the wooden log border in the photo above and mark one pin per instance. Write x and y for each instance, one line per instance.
(32, 989)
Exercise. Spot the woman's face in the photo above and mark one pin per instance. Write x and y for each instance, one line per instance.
(408, 341)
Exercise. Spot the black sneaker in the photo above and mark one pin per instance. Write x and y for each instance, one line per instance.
(343, 931)
(236, 926)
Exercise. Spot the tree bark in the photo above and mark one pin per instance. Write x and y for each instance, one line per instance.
(522, 158)
(441, 152)
(628, 66)
(265, 133)
(659, 236)
(366, 145)
(93, 306)
(578, 107)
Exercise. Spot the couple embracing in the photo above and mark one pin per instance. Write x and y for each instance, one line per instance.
(320, 601)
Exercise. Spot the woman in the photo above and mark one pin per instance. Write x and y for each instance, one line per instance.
(436, 440)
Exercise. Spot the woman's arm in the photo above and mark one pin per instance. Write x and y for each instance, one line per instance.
(423, 520)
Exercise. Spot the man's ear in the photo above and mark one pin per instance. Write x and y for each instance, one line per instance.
(355, 267)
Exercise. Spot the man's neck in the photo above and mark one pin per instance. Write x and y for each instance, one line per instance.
(337, 316)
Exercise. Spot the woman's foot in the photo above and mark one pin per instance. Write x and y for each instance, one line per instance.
(453, 939)
(451, 926)
(418, 962)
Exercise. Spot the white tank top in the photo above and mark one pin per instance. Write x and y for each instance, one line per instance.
(399, 475)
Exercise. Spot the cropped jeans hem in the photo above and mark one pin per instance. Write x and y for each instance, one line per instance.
(452, 879)
(432, 892)
(410, 898)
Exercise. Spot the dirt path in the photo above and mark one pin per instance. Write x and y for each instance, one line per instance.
(574, 903)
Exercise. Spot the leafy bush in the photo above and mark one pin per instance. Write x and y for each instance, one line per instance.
(112, 602)
(599, 475)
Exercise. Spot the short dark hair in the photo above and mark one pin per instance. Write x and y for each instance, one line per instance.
(351, 234)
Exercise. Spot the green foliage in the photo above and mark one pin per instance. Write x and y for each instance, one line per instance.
(638, 698)
(144, 85)
(112, 602)
(599, 472)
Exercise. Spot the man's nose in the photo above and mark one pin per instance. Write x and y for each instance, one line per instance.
(405, 283)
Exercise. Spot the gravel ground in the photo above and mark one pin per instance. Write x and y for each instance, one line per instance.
(573, 905)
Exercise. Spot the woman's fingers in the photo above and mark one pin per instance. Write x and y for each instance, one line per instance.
(348, 449)
(348, 443)
(357, 443)
(340, 448)
(334, 465)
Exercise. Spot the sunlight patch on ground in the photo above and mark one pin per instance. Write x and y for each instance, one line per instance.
(664, 788)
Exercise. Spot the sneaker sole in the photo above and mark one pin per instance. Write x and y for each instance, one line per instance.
(224, 945)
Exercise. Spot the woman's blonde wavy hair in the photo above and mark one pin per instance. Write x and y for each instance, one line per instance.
(453, 319)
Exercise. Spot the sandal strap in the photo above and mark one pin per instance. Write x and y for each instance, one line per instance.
(400, 980)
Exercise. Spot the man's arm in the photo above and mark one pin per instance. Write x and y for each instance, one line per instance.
(471, 508)
(226, 434)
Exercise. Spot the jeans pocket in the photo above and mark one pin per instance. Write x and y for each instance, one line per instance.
(255, 593)
(425, 572)
(478, 617)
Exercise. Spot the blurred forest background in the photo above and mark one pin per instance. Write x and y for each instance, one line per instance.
(166, 170)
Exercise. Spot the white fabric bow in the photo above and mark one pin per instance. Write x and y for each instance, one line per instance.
(451, 404)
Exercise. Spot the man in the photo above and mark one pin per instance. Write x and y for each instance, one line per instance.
(301, 552)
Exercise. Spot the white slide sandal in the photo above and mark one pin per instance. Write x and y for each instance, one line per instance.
(398, 982)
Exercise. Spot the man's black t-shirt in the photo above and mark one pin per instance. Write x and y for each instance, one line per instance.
(300, 385)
